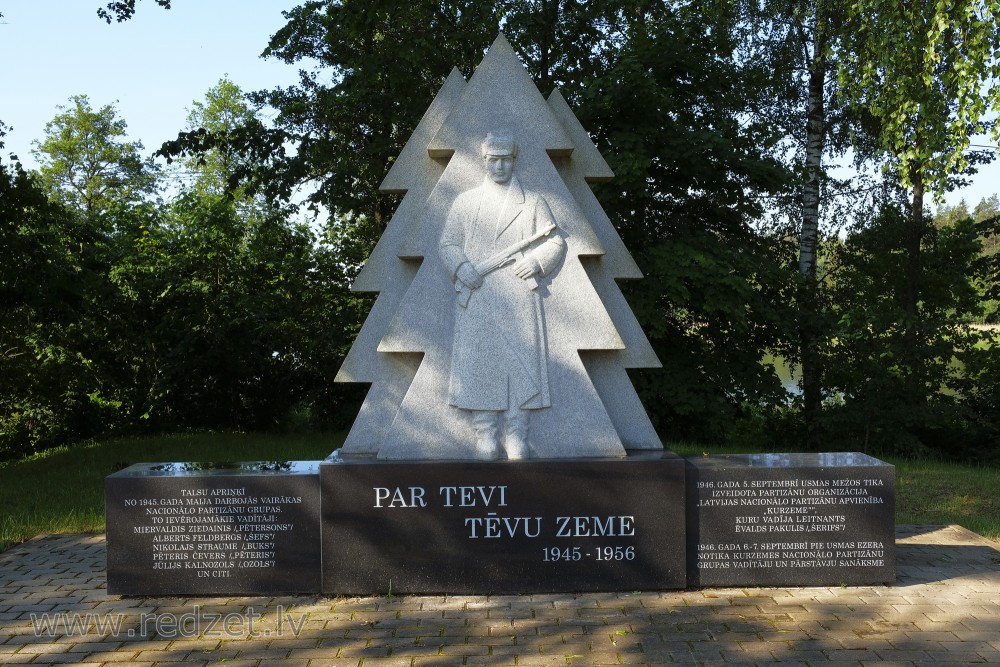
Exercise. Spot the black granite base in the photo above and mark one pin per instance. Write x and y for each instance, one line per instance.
(503, 527)
(790, 519)
(363, 527)
(206, 529)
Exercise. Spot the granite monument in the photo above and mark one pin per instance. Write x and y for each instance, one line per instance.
(501, 447)
(525, 359)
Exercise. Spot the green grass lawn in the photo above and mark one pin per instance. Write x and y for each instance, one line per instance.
(62, 490)
(927, 492)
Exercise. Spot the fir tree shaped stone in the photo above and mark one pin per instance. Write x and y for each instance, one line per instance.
(608, 368)
(389, 272)
(513, 322)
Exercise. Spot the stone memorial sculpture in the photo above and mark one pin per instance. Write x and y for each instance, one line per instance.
(500, 330)
(498, 240)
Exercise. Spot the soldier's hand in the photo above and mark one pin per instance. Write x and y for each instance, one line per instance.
(469, 276)
(527, 267)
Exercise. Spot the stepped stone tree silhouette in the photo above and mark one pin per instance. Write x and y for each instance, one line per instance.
(499, 329)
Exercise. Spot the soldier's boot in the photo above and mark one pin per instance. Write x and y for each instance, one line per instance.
(516, 433)
(487, 425)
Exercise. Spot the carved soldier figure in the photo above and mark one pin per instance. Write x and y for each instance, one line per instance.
(497, 241)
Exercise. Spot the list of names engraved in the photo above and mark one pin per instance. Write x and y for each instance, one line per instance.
(212, 532)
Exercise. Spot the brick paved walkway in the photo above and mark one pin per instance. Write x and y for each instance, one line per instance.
(945, 608)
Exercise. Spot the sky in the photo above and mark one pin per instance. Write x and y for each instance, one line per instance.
(154, 66)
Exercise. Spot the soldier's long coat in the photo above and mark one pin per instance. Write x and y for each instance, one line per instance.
(499, 355)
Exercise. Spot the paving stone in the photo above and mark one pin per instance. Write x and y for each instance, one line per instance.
(945, 609)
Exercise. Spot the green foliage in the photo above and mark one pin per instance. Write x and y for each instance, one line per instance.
(61, 490)
(693, 172)
(44, 382)
(378, 67)
(237, 328)
(987, 217)
(889, 394)
(251, 306)
(122, 314)
(223, 112)
(87, 165)
(929, 72)
(69, 330)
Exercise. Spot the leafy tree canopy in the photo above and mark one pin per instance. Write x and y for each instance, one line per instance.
(929, 72)
(223, 113)
(87, 162)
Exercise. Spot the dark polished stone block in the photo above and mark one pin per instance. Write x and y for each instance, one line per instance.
(790, 519)
(503, 527)
(205, 529)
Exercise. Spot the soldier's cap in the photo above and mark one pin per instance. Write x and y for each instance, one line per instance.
(499, 145)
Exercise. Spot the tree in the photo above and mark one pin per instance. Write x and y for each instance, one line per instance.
(811, 27)
(798, 42)
(231, 315)
(89, 166)
(87, 163)
(987, 214)
(873, 369)
(223, 112)
(986, 217)
(695, 168)
(49, 390)
(246, 308)
(928, 72)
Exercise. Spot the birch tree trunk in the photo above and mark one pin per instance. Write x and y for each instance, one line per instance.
(812, 370)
